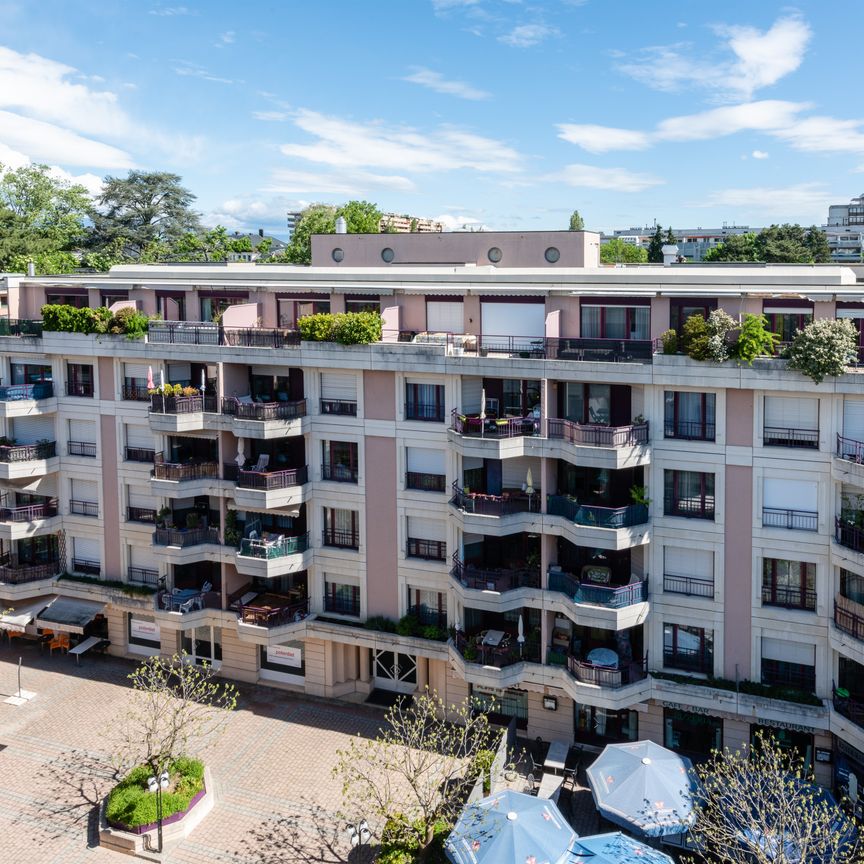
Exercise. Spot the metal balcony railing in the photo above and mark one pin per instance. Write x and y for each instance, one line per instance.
(778, 673)
(141, 514)
(160, 404)
(263, 411)
(190, 333)
(340, 539)
(428, 550)
(20, 327)
(143, 576)
(688, 659)
(79, 388)
(278, 548)
(605, 676)
(848, 621)
(689, 585)
(87, 566)
(28, 452)
(18, 392)
(690, 507)
(849, 448)
(181, 471)
(493, 505)
(850, 536)
(81, 448)
(597, 517)
(15, 573)
(795, 520)
(505, 427)
(84, 508)
(774, 436)
(422, 411)
(29, 513)
(424, 482)
(591, 435)
(185, 538)
(340, 407)
(265, 480)
(135, 393)
(788, 597)
(689, 430)
(139, 454)
(498, 579)
(339, 473)
(341, 605)
(611, 596)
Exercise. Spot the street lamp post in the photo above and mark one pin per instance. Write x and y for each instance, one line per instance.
(359, 834)
(158, 786)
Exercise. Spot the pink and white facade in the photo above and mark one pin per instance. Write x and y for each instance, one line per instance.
(512, 458)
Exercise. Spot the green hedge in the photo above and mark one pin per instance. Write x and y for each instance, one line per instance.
(62, 318)
(126, 587)
(346, 328)
(751, 688)
(132, 805)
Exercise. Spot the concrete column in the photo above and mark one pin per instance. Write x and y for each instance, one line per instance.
(365, 673)
(422, 673)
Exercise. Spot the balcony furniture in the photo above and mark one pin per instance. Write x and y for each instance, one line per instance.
(550, 787)
(60, 641)
(91, 642)
(603, 657)
(597, 575)
(492, 638)
(560, 638)
(530, 785)
(261, 464)
(556, 756)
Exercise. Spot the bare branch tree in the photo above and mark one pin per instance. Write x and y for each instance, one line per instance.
(757, 806)
(176, 705)
(417, 772)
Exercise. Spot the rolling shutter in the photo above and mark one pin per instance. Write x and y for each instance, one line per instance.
(136, 371)
(178, 373)
(84, 490)
(421, 528)
(82, 430)
(514, 319)
(29, 430)
(515, 473)
(139, 436)
(472, 392)
(853, 419)
(698, 563)
(141, 556)
(338, 387)
(790, 495)
(139, 496)
(424, 461)
(788, 652)
(445, 317)
(784, 412)
(86, 549)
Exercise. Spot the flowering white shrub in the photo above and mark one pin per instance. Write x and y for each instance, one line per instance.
(824, 347)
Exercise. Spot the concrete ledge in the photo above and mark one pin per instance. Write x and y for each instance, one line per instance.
(132, 843)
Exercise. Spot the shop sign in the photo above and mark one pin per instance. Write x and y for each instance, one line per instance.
(792, 727)
(285, 655)
(146, 630)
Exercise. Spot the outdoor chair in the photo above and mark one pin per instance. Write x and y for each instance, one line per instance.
(530, 785)
(207, 587)
(570, 777)
(534, 765)
(61, 641)
(262, 463)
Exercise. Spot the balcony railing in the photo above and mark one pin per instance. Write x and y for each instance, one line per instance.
(273, 616)
(20, 327)
(340, 539)
(591, 435)
(28, 452)
(338, 473)
(81, 448)
(428, 550)
(774, 436)
(428, 617)
(160, 404)
(689, 430)
(30, 513)
(185, 538)
(143, 576)
(278, 548)
(340, 407)
(849, 448)
(795, 676)
(850, 708)
(431, 413)
(263, 410)
(506, 653)
(135, 393)
(850, 536)
(84, 508)
(695, 507)
(494, 579)
(689, 585)
(186, 333)
(141, 514)
(848, 621)
(265, 480)
(611, 596)
(13, 573)
(87, 566)
(140, 454)
(789, 597)
(688, 659)
(180, 471)
(493, 505)
(795, 520)
(18, 392)
(597, 517)
(605, 676)
(505, 427)
(424, 482)
(79, 388)
(341, 605)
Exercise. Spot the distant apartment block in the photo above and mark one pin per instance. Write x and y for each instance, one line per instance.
(845, 230)
(692, 243)
(404, 224)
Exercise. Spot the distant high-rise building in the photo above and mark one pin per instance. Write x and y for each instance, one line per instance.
(292, 218)
(693, 243)
(845, 231)
(404, 224)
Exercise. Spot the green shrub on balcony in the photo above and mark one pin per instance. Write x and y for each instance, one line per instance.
(346, 328)
(824, 347)
(63, 318)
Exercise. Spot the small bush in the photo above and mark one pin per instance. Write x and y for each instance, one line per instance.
(754, 340)
(694, 337)
(380, 622)
(316, 328)
(408, 626)
(346, 328)
(669, 339)
(708, 340)
(824, 347)
(430, 631)
(128, 321)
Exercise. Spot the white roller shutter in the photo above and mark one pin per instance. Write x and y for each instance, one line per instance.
(514, 472)
(420, 528)
(137, 371)
(82, 430)
(29, 430)
(679, 561)
(785, 412)
(788, 652)
(790, 495)
(86, 549)
(853, 419)
(139, 496)
(513, 319)
(139, 436)
(424, 461)
(472, 393)
(470, 462)
(337, 386)
(141, 556)
(178, 373)
(447, 317)
(84, 490)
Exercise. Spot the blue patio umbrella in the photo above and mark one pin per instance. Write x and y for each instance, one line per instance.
(615, 848)
(644, 787)
(510, 828)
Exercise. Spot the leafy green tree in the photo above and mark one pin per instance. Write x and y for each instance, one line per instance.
(149, 210)
(655, 247)
(616, 251)
(362, 218)
(577, 223)
(824, 347)
(777, 244)
(738, 247)
(670, 238)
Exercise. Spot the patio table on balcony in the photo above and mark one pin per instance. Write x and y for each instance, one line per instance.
(603, 657)
(493, 638)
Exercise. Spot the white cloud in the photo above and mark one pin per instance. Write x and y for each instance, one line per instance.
(759, 154)
(804, 202)
(765, 115)
(193, 70)
(759, 59)
(171, 11)
(91, 182)
(340, 182)
(599, 139)
(228, 37)
(446, 5)
(252, 212)
(616, 179)
(528, 35)
(271, 115)
(437, 82)
(460, 223)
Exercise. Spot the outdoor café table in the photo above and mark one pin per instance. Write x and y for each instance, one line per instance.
(556, 758)
(550, 786)
(603, 657)
(493, 638)
(83, 647)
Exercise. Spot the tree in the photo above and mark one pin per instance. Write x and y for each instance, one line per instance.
(824, 347)
(616, 251)
(655, 247)
(415, 774)
(670, 239)
(757, 807)
(362, 218)
(777, 244)
(738, 247)
(577, 223)
(148, 210)
(817, 243)
(176, 706)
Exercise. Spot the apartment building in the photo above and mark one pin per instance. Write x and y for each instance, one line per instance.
(693, 243)
(607, 543)
(845, 231)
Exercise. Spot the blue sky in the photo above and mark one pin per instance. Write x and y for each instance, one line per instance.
(499, 113)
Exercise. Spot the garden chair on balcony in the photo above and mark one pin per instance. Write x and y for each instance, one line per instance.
(61, 641)
(261, 465)
(207, 587)
(530, 785)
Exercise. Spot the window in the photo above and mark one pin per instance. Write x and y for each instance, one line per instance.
(520, 397)
(790, 504)
(689, 494)
(791, 584)
(502, 706)
(79, 381)
(79, 301)
(340, 528)
(424, 402)
(688, 648)
(692, 734)
(291, 309)
(429, 607)
(785, 322)
(788, 664)
(602, 725)
(142, 630)
(363, 304)
(688, 571)
(852, 586)
(682, 309)
(287, 659)
(341, 599)
(339, 461)
(616, 322)
(588, 403)
(29, 373)
(689, 416)
(212, 308)
(109, 298)
(203, 644)
(171, 306)
(791, 422)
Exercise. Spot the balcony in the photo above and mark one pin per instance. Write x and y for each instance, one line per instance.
(20, 327)
(12, 572)
(185, 478)
(690, 586)
(688, 659)
(173, 414)
(339, 407)
(592, 435)
(482, 504)
(848, 463)
(17, 523)
(789, 597)
(184, 538)
(472, 648)
(689, 430)
(605, 676)
(773, 436)
(24, 400)
(268, 489)
(793, 520)
(271, 610)
(87, 566)
(143, 576)
(427, 550)
(338, 473)
(603, 527)
(189, 333)
(134, 393)
(26, 461)
(473, 426)
(84, 508)
(141, 514)
(607, 607)
(274, 556)
(849, 535)
(139, 454)
(493, 580)
(690, 507)
(340, 539)
(185, 601)
(81, 448)
(29, 513)
(80, 389)
(791, 676)
(583, 350)
(423, 482)
(849, 617)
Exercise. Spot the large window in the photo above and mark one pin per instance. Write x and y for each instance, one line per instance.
(340, 528)
(689, 494)
(695, 735)
(203, 644)
(502, 706)
(291, 310)
(786, 321)
(690, 416)
(341, 599)
(682, 309)
(29, 373)
(79, 380)
(788, 664)
(212, 308)
(791, 584)
(616, 322)
(852, 586)
(339, 461)
(424, 402)
(602, 725)
(688, 648)
(588, 403)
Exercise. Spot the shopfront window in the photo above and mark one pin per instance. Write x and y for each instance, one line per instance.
(502, 706)
(798, 745)
(602, 726)
(203, 644)
(695, 735)
(285, 659)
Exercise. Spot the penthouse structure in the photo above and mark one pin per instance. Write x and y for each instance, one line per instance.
(604, 542)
